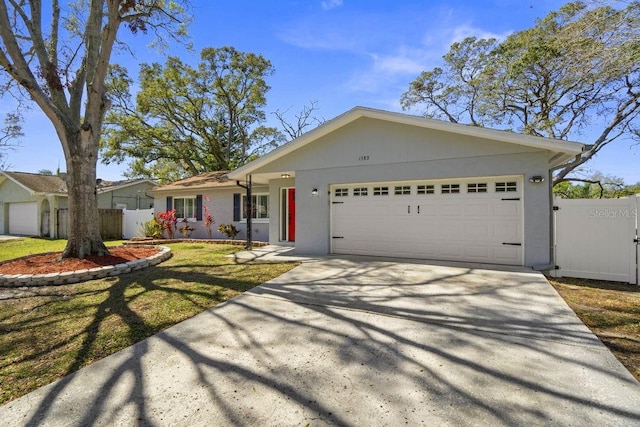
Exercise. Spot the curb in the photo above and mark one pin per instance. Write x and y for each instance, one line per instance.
(69, 277)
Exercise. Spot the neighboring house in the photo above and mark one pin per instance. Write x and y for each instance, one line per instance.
(30, 203)
(372, 182)
(213, 192)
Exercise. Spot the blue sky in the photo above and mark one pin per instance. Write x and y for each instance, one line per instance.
(340, 53)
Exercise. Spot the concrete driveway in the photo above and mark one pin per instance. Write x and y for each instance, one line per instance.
(358, 342)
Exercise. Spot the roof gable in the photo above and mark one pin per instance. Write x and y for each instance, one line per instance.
(562, 150)
(37, 183)
(55, 184)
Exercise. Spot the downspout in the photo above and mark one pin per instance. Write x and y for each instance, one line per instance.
(247, 187)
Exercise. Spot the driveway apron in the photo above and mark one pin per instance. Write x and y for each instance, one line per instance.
(358, 341)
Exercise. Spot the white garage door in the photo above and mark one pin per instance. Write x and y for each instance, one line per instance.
(473, 220)
(23, 219)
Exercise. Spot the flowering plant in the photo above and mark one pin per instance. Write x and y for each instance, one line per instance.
(168, 221)
(208, 218)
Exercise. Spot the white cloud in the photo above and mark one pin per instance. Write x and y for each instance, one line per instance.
(331, 4)
(460, 32)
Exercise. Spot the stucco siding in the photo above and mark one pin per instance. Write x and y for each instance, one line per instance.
(368, 142)
(220, 204)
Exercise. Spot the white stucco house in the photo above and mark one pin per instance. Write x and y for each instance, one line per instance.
(378, 183)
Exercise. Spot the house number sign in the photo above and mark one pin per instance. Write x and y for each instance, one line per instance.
(363, 158)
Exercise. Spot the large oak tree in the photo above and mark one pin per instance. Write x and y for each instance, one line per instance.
(574, 75)
(58, 53)
(187, 120)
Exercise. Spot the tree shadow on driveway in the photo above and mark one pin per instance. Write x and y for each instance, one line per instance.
(347, 343)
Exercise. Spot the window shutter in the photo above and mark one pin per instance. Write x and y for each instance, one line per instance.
(169, 203)
(199, 207)
(236, 207)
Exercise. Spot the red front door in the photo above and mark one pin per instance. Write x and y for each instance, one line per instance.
(291, 214)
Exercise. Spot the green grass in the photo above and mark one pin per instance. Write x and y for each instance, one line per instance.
(94, 319)
(10, 249)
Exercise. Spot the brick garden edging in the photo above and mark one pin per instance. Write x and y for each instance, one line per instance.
(69, 277)
(151, 241)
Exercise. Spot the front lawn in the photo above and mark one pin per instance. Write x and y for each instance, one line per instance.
(49, 332)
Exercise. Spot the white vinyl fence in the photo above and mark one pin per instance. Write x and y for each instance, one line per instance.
(132, 221)
(597, 239)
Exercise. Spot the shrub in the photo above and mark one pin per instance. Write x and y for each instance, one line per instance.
(152, 228)
(228, 230)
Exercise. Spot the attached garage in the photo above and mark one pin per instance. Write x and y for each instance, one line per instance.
(23, 219)
(378, 183)
(471, 219)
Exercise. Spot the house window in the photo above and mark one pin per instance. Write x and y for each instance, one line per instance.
(450, 188)
(360, 191)
(341, 192)
(185, 207)
(477, 188)
(380, 191)
(259, 208)
(402, 190)
(425, 189)
(506, 187)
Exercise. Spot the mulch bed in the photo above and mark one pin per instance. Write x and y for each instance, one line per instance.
(48, 263)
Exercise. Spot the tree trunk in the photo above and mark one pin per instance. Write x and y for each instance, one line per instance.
(84, 226)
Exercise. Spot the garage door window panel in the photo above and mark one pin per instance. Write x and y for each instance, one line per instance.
(402, 190)
(480, 187)
(506, 187)
(380, 191)
(360, 191)
(425, 189)
(341, 192)
(450, 189)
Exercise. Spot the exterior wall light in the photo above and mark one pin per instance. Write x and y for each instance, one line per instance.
(285, 175)
(314, 192)
(536, 179)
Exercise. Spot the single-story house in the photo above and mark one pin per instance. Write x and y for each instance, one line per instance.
(30, 202)
(378, 183)
(214, 193)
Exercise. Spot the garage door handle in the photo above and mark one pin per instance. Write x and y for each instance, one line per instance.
(409, 209)
(512, 244)
(418, 209)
